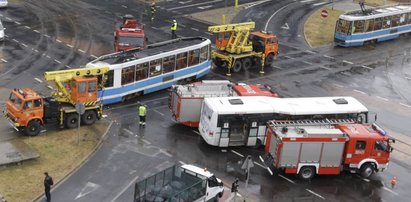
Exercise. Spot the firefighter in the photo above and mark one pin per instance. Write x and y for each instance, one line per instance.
(173, 29)
(153, 10)
(142, 112)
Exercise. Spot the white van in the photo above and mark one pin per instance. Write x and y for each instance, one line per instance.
(3, 3)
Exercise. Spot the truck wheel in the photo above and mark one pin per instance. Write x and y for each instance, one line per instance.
(269, 60)
(220, 195)
(237, 66)
(306, 172)
(367, 170)
(33, 128)
(247, 64)
(89, 117)
(71, 120)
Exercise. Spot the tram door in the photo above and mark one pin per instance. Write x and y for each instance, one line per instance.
(252, 133)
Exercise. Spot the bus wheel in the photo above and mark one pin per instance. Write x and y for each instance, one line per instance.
(89, 117)
(237, 66)
(269, 60)
(307, 172)
(71, 120)
(247, 63)
(33, 128)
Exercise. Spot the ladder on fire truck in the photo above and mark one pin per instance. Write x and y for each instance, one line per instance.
(320, 122)
(238, 41)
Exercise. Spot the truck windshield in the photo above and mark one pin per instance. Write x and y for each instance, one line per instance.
(381, 145)
(343, 26)
(131, 40)
(15, 100)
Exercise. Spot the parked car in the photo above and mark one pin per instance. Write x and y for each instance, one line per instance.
(3, 3)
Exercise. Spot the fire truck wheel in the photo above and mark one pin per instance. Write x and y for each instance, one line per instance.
(237, 66)
(367, 170)
(247, 63)
(33, 128)
(307, 172)
(269, 60)
(89, 117)
(71, 120)
(220, 195)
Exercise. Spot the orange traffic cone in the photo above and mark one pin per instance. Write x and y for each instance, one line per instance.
(393, 182)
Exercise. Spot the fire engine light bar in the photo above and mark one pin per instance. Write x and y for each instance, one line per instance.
(379, 129)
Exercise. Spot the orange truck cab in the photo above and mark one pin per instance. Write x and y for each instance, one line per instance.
(265, 42)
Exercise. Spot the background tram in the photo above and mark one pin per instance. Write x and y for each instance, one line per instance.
(355, 28)
(159, 66)
(237, 121)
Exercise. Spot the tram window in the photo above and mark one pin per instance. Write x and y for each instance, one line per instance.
(181, 61)
(169, 63)
(92, 86)
(386, 22)
(155, 67)
(369, 25)
(395, 20)
(141, 71)
(409, 18)
(377, 23)
(193, 57)
(403, 19)
(109, 79)
(359, 26)
(127, 75)
(203, 54)
(343, 26)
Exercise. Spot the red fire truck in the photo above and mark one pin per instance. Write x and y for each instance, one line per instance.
(310, 148)
(130, 34)
(185, 101)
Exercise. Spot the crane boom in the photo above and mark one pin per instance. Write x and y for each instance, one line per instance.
(231, 27)
(65, 75)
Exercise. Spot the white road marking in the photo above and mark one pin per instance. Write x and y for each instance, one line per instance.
(58, 40)
(196, 132)
(286, 178)
(48, 56)
(57, 61)
(128, 131)
(288, 57)
(17, 22)
(208, 33)
(50, 87)
(250, 5)
(90, 187)
(185, 2)
(81, 50)
(389, 190)
(195, 29)
(312, 52)
(382, 98)
(166, 153)
(285, 26)
(38, 80)
(255, 162)
(159, 112)
(182, 162)
(146, 141)
(204, 7)
(315, 194)
(46, 35)
(23, 44)
(306, 1)
(366, 67)
(338, 85)
(358, 91)
(156, 28)
(69, 45)
(269, 19)
(124, 6)
(277, 67)
(15, 41)
(125, 188)
(322, 67)
(348, 62)
(35, 50)
(8, 18)
(27, 27)
(329, 57)
(3, 60)
(93, 56)
(192, 5)
(306, 62)
(68, 66)
(237, 153)
(408, 78)
(37, 31)
(319, 4)
(405, 105)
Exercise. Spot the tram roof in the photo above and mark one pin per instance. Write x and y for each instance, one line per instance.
(150, 50)
(375, 12)
(291, 106)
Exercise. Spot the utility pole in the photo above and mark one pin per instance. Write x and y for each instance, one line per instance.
(248, 163)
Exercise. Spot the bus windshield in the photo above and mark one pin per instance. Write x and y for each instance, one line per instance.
(343, 26)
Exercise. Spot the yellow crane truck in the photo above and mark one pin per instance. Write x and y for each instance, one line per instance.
(28, 111)
(237, 48)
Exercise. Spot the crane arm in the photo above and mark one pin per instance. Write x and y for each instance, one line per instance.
(231, 27)
(65, 75)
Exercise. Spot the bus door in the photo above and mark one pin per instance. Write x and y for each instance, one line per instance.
(252, 128)
(224, 135)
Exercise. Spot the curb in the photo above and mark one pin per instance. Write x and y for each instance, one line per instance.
(82, 162)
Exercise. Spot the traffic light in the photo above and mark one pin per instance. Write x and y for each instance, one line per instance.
(234, 186)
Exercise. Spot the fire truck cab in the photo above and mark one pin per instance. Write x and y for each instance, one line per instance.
(130, 34)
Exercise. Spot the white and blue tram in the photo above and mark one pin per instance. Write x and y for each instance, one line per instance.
(355, 28)
(159, 66)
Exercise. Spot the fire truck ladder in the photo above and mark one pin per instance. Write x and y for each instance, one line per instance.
(321, 122)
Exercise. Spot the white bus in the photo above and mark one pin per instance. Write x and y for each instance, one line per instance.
(237, 121)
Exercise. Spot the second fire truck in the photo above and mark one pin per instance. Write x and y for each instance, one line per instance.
(309, 148)
(130, 34)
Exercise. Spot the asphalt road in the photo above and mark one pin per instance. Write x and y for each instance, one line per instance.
(57, 34)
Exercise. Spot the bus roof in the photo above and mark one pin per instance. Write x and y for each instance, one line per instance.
(375, 12)
(290, 106)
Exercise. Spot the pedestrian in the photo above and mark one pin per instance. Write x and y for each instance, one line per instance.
(48, 182)
(142, 112)
(173, 29)
(393, 182)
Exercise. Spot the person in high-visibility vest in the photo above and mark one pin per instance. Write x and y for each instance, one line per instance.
(173, 29)
(142, 112)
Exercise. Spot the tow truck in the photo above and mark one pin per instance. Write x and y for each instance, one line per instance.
(185, 101)
(237, 48)
(129, 35)
(28, 111)
(308, 148)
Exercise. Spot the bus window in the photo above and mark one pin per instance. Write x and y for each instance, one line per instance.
(181, 61)
(343, 26)
(377, 24)
(193, 57)
(369, 25)
(155, 67)
(358, 26)
(403, 19)
(127, 75)
(203, 54)
(386, 23)
(141, 71)
(169, 64)
(395, 20)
